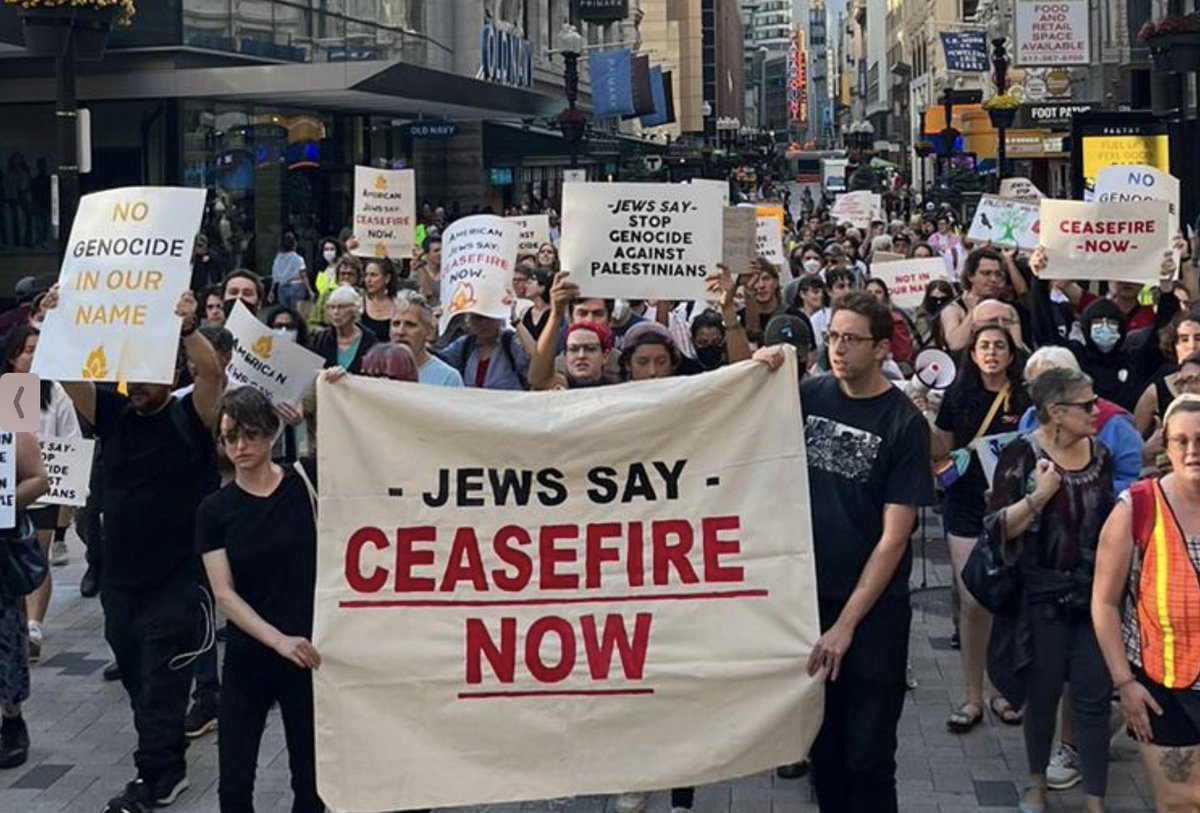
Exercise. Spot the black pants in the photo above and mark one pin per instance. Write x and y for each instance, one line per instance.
(147, 631)
(253, 680)
(854, 756)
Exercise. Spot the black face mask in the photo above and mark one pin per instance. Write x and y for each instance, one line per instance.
(710, 357)
(229, 304)
(936, 304)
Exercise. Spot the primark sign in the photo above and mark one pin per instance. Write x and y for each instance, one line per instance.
(506, 57)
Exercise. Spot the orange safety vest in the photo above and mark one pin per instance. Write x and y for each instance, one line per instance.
(1168, 592)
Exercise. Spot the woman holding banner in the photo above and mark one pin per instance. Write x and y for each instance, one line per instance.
(258, 539)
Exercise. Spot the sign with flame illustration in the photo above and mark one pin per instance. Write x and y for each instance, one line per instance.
(127, 263)
(478, 255)
(385, 212)
(270, 362)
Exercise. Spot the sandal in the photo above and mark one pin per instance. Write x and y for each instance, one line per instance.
(966, 718)
(1004, 711)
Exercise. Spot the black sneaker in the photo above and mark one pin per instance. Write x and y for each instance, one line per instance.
(112, 672)
(167, 788)
(136, 798)
(89, 585)
(201, 719)
(793, 770)
(14, 742)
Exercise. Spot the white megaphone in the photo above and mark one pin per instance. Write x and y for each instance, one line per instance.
(934, 370)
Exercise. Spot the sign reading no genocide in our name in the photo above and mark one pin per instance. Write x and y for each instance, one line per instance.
(127, 263)
(641, 240)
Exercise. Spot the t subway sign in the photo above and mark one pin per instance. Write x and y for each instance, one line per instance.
(505, 57)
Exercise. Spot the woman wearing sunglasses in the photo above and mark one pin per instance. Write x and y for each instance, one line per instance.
(1051, 495)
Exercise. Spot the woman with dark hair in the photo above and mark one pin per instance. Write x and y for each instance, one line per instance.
(289, 276)
(258, 539)
(902, 333)
(287, 322)
(379, 286)
(329, 251)
(390, 360)
(986, 399)
(926, 324)
(537, 291)
(648, 352)
(1176, 341)
(547, 257)
(1051, 494)
(922, 250)
(58, 420)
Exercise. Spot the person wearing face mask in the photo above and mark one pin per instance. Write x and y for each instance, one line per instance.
(927, 326)
(326, 278)
(245, 286)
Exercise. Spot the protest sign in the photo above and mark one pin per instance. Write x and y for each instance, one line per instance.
(1104, 241)
(1052, 33)
(385, 211)
(481, 591)
(857, 208)
(478, 256)
(878, 257)
(534, 233)
(68, 463)
(274, 365)
(1019, 189)
(1123, 184)
(906, 279)
(8, 480)
(740, 234)
(770, 238)
(1006, 222)
(127, 263)
(721, 186)
(641, 240)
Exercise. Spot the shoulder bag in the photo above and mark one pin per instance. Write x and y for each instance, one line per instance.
(950, 468)
(22, 564)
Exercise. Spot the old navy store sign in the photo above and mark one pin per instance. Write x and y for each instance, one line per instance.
(505, 57)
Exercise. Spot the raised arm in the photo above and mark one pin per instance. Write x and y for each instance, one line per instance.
(207, 374)
(541, 366)
(721, 286)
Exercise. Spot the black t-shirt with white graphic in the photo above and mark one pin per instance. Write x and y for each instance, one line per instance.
(863, 454)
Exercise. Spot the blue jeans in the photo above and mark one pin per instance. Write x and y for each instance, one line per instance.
(289, 294)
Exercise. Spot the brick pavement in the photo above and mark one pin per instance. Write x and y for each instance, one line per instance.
(83, 734)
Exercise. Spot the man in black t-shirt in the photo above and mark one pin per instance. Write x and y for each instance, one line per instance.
(159, 461)
(868, 468)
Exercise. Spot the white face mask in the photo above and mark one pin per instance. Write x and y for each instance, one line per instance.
(329, 256)
(288, 333)
(812, 266)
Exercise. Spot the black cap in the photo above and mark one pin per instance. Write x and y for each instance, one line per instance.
(788, 329)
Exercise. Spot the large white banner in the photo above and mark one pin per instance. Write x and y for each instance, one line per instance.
(1104, 241)
(501, 618)
(1006, 222)
(274, 365)
(385, 212)
(478, 256)
(641, 240)
(1122, 184)
(1052, 32)
(127, 263)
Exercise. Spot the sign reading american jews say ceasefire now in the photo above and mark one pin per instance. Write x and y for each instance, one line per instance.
(127, 263)
(528, 620)
(385, 212)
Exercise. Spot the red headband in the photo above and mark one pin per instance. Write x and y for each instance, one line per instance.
(606, 337)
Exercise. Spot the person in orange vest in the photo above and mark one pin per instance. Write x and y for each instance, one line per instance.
(1148, 551)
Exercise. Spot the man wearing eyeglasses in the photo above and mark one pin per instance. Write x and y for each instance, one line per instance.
(868, 461)
(159, 462)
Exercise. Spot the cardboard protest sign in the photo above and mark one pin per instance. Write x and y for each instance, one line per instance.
(906, 279)
(480, 591)
(1131, 183)
(740, 234)
(857, 208)
(534, 233)
(127, 263)
(641, 240)
(770, 239)
(1006, 222)
(8, 480)
(878, 257)
(478, 256)
(68, 464)
(385, 211)
(1019, 189)
(273, 364)
(1104, 241)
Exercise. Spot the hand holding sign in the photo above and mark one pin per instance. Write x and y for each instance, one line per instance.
(720, 286)
(563, 292)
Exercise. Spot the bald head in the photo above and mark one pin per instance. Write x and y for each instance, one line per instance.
(993, 312)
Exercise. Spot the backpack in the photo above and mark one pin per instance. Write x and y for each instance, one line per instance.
(506, 339)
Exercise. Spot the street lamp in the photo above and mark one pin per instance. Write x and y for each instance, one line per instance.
(572, 121)
(1002, 119)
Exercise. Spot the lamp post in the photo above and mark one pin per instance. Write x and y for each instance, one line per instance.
(1000, 64)
(572, 121)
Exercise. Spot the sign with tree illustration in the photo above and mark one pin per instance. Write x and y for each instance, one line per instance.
(1006, 222)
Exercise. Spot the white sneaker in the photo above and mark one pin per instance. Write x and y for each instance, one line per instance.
(681, 810)
(35, 641)
(59, 554)
(631, 802)
(1063, 770)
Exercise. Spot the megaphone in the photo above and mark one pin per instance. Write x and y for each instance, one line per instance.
(934, 369)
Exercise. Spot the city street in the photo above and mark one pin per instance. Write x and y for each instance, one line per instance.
(83, 735)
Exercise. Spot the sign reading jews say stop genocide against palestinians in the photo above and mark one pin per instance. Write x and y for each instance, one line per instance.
(641, 240)
(478, 256)
(481, 590)
(68, 463)
(535, 233)
(385, 211)
(1104, 241)
(271, 363)
(127, 263)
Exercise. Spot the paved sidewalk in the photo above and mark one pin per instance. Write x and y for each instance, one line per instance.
(83, 734)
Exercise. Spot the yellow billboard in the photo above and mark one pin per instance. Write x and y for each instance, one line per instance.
(1101, 152)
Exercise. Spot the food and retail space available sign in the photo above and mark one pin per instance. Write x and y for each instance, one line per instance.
(641, 240)
(127, 263)
(1105, 241)
(385, 211)
(1052, 32)
(481, 591)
